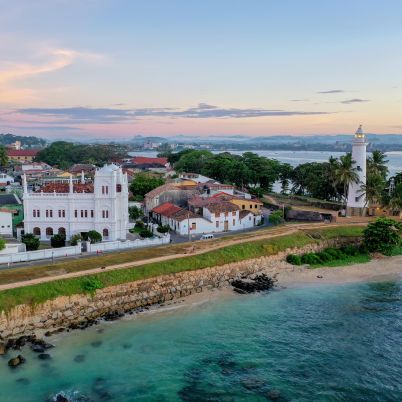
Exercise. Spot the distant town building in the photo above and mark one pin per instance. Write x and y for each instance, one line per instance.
(356, 202)
(22, 155)
(69, 208)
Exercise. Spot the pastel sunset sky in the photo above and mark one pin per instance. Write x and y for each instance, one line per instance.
(119, 68)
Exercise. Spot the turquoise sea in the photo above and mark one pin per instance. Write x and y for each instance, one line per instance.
(316, 343)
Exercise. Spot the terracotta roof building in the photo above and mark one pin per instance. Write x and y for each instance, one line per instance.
(22, 155)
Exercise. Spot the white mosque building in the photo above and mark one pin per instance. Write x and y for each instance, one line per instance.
(72, 208)
(356, 202)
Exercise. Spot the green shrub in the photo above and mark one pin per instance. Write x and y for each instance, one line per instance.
(145, 233)
(94, 236)
(75, 239)
(324, 257)
(91, 284)
(350, 249)
(382, 235)
(31, 241)
(58, 240)
(163, 228)
(294, 259)
(334, 253)
(276, 217)
(311, 259)
(139, 224)
(134, 212)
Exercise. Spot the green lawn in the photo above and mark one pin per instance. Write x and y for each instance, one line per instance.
(37, 294)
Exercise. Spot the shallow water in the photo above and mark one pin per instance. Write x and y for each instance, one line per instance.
(321, 343)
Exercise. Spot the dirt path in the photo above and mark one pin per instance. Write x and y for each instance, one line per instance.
(195, 249)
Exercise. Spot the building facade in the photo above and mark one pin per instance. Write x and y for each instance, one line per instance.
(356, 202)
(76, 208)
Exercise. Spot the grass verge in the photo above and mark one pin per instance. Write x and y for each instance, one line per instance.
(40, 293)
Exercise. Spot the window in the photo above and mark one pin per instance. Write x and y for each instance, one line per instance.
(47, 213)
(36, 231)
(34, 213)
(86, 213)
(59, 213)
(243, 207)
(217, 224)
(234, 222)
(38, 213)
(82, 213)
(62, 231)
(251, 206)
(105, 214)
(255, 206)
(49, 232)
(103, 189)
(193, 226)
(359, 168)
(118, 188)
(64, 213)
(105, 233)
(76, 213)
(51, 213)
(357, 199)
(92, 213)
(234, 213)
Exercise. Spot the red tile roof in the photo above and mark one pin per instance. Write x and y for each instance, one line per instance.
(22, 152)
(65, 188)
(222, 207)
(167, 209)
(144, 160)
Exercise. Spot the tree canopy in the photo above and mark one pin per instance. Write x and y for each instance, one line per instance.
(144, 182)
(64, 154)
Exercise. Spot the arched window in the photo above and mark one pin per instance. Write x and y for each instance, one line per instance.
(36, 231)
(62, 231)
(105, 234)
(49, 232)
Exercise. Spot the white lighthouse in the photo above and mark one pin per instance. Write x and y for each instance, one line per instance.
(356, 203)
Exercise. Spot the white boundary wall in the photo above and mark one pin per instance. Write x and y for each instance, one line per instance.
(76, 250)
(121, 245)
(40, 254)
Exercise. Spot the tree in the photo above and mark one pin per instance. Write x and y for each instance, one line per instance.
(276, 217)
(75, 239)
(58, 240)
(382, 235)
(3, 156)
(285, 175)
(31, 241)
(377, 164)
(94, 236)
(134, 213)
(373, 189)
(2, 243)
(193, 161)
(346, 174)
(143, 183)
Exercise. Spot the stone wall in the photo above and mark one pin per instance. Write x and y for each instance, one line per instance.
(65, 311)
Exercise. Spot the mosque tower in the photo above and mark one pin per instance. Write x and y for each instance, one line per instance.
(356, 202)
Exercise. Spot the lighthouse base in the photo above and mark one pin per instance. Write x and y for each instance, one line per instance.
(356, 211)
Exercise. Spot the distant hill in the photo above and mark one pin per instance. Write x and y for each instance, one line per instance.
(26, 142)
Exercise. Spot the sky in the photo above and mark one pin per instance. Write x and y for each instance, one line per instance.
(114, 69)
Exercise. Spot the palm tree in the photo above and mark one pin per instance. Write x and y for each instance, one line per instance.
(376, 164)
(373, 189)
(333, 165)
(346, 173)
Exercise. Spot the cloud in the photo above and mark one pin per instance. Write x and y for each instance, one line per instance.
(88, 115)
(354, 100)
(331, 91)
(55, 59)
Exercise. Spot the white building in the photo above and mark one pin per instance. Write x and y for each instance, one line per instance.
(356, 202)
(6, 222)
(70, 208)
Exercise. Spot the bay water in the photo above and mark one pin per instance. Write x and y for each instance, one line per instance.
(309, 343)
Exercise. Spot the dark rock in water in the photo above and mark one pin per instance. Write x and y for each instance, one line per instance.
(37, 348)
(3, 348)
(100, 388)
(16, 361)
(274, 395)
(41, 343)
(113, 315)
(127, 345)
(79, 358)
(257, 284)
(61, 398)
(23, 381)
(96, 344)
(44, 356)
(100, 330)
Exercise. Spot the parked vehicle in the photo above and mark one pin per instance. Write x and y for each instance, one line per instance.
(207, 236)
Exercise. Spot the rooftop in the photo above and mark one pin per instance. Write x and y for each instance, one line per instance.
(65, 188)
(22, 152)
